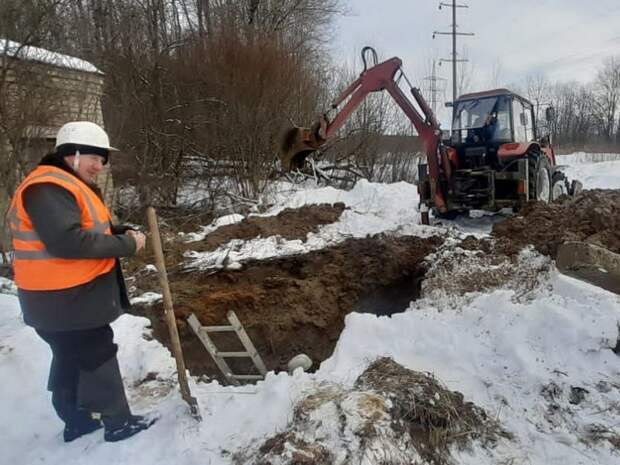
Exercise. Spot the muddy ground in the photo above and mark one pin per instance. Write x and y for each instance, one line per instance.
(290, 224)
(593, 216)
(297, 304)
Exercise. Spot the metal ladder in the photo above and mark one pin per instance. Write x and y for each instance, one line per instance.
(219, 357)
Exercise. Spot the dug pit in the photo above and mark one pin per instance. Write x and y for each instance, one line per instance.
(294, 304)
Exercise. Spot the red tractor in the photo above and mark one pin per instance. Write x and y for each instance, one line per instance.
(493, 159)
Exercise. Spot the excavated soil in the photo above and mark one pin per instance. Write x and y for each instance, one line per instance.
(593, 216)
(290, 224)
(295, 304)
(392, 415)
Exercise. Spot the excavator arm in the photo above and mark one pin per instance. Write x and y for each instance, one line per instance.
(298, 142)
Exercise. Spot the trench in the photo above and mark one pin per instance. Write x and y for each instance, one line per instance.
(392, 298)
(296, 304)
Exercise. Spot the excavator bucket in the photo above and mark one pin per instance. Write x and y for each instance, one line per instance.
(298, 143)
(294, 149)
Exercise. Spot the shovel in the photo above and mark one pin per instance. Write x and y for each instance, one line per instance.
(169, 313)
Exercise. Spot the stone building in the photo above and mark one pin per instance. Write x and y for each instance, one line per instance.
(40, 90)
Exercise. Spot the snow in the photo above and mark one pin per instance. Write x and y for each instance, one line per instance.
(520, 359)
(146, 298)
(373, 208)
(41, 55)
(594, 170)
(7, 286)
(217, 223)
(501, 357)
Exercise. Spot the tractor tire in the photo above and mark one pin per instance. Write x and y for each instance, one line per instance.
(559, 186)
(449, 215)
(540, 177)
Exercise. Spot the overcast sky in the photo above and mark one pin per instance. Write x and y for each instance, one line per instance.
(564, 39)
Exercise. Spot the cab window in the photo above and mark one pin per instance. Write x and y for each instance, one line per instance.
(522, 121)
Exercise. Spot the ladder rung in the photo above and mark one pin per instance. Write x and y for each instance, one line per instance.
(233, 354)
(218, 357)
(215, 329)
(247, 376)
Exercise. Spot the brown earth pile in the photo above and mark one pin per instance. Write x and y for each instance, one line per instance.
(392, 415)
(593, 216)
(434, 417)
(290, 224)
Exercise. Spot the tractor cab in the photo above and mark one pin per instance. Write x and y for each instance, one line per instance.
(483, 121)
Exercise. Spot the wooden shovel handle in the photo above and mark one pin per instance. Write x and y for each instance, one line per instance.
(169, 311)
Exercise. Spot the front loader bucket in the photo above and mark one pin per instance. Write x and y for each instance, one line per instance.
(591, 263)
(575, 188)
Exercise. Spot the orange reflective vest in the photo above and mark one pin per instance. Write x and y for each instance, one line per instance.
(34, 267)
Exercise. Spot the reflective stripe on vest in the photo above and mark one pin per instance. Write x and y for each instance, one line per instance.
(35, 268)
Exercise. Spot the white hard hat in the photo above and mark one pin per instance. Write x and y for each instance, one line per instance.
(84, 133)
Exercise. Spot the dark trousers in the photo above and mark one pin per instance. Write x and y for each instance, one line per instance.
(84, 375)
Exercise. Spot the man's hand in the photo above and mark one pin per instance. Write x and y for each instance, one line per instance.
(138, 237)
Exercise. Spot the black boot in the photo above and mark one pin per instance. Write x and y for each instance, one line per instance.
(117, 431)
(84, 426)
(78, 422)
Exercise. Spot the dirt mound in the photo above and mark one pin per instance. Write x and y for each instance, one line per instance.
(473, 265)
(593, 216)
(392, 415)
(290, 224)
(295, 304)
(435, 417)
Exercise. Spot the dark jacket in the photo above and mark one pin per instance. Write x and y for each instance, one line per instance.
(56, 217)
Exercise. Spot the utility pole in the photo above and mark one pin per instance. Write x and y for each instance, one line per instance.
(433, 89)
(454, 33)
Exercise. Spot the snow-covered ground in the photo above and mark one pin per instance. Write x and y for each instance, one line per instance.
(594, 170)
(543, 366)
(373, 208)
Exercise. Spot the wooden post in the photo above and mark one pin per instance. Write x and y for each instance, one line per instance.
(169, 313)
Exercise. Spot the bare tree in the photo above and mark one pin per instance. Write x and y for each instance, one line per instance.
(607, 97)
(194, 86)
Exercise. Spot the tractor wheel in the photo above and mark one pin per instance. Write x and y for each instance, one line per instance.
(559, 186)
(449, 215)
(540, 178)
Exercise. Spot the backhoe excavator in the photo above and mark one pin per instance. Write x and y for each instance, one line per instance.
(493, 159)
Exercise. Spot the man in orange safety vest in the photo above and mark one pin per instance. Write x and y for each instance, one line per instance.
(70, 283)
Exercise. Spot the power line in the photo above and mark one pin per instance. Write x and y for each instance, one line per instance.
(453, 33)
(433, 90)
